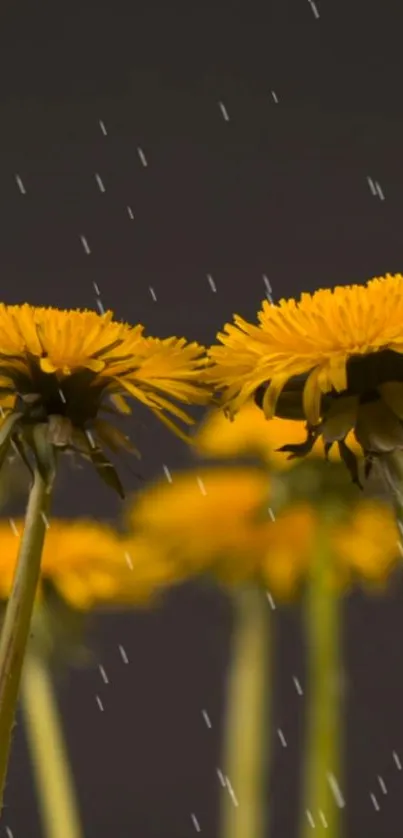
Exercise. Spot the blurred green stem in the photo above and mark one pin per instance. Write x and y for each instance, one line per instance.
(244, 800)
(321, 762)
(54, 781)
(391, 468)
(17, 620)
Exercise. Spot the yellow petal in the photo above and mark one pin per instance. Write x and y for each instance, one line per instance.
(272, 394)
(312, 397)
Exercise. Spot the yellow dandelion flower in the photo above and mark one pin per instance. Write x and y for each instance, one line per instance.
(361, 545)
(228, 531)
(202, 514)
(250, 433)
(89, 565)
(367, 543)
(288, 549)
(335, 357)
(58, 368)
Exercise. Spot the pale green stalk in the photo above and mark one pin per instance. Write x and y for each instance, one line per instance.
(53, 777)
(244, 801)
(321, 795)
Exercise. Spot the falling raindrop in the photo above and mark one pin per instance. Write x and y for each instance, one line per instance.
(231, 792)
(206, 718)
(221, 777)
(90, 438)
(14, 527)
(224, 111)
(271, 601)
(167, 473)
(195, 822)
(282, 737)
(335, 789)
(382, 785)
(298, 686)
(379, 191)
(129, 560)
(323, 819)
(371, 185)
(45, 520)
(85, 245)
(100, 183)
(212, 283)
(142, 156)
(314, 8)
(123, 653)
(397, 761)
(201, 486)
(20, 185)
(310, 819)
(269, 290)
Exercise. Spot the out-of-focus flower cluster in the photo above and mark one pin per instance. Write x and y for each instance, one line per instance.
(239, 522)
(262, 523)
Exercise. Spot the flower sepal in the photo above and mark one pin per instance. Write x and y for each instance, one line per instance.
(105, 469)
(8, 428)
(44, 452)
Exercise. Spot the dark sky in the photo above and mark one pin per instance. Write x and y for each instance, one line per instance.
(281, 189)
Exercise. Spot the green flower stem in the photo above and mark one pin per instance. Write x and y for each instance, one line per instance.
(321, 770)
(244, 813)
(54, 781)
(17, 620)
(391, 468)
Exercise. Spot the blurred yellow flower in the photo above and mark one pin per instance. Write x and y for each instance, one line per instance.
(220, 521)
(202, 513)
(367, 544)
(89, 565)
(250, 433)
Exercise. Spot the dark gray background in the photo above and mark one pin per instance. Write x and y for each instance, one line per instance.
(280, 189)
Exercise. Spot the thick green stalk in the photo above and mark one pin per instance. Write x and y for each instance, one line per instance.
(244, 800)
(17, 620)
(322, 800)
(54, 780)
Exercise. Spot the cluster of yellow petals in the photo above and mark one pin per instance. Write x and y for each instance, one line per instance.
(220, 521)
(89, 565)
(201, 514)
(315, 336)
(120, 356)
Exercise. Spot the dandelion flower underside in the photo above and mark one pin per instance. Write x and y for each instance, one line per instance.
(59, 368)
(334, 357)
